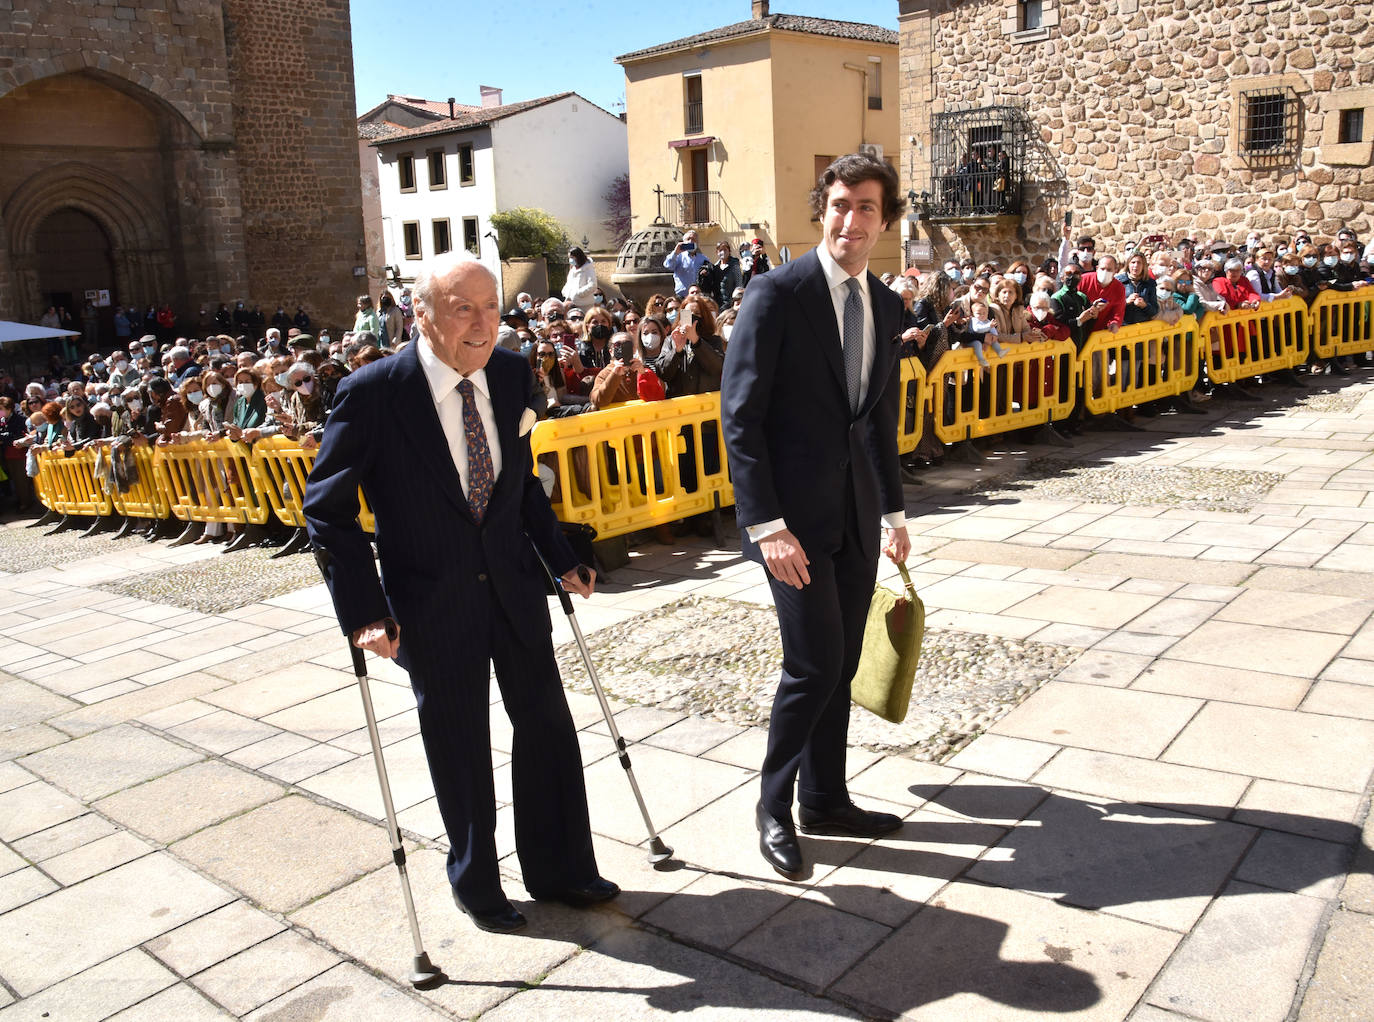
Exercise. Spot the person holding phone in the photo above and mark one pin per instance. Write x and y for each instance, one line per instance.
(626, 378)
(686, 261)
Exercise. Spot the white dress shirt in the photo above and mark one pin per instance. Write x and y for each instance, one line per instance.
(443, 388)
(836, 276)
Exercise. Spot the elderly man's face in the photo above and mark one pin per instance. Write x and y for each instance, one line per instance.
(461, 319)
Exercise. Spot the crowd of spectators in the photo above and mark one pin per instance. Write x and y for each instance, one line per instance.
(589, 352)
(987, 306)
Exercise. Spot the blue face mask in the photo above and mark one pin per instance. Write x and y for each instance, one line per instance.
(672, 315)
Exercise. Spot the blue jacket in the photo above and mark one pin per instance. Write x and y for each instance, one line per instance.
(439, 568)
(789, 433)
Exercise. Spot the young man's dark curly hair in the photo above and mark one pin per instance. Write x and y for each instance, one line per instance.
(854, 169)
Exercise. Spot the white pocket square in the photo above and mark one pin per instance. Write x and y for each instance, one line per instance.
(527, 421)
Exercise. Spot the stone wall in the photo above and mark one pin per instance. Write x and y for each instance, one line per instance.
(226, 166)
(1137, 114)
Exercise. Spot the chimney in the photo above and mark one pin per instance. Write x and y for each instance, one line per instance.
(758, 9)
(490, 96)
(451, 113)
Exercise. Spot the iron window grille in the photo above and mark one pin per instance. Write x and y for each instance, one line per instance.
(1269, 126)
(978, 162)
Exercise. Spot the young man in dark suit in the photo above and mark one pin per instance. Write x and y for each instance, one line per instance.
(435, 438)
(810, 403)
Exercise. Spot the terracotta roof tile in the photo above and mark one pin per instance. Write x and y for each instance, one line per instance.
(782, 22)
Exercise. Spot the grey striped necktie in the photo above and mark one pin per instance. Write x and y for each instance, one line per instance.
(853, 343)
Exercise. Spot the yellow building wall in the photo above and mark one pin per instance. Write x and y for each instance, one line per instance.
(820, 108)
(737, 109)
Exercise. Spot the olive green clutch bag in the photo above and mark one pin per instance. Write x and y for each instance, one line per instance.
(892, 647)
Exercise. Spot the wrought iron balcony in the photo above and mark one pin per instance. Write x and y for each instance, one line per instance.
(693, 119)
(698, 209)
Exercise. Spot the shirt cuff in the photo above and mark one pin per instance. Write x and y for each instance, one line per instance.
(894, 520)
(758, 533)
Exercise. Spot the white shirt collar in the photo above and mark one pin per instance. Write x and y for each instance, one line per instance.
(442, 378)
(835, 274)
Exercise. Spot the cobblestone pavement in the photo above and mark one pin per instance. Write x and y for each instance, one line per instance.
(1169, 824)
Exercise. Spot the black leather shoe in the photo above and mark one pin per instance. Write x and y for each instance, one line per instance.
(581, 896)
(851, 820)
(778, 843)
(503, 920)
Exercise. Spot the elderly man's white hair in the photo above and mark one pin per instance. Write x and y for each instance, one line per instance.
(423, 289)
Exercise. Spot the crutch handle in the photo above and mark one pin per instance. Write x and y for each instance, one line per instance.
(359, 664)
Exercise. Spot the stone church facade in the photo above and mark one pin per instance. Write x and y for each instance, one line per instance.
(1140, 117)
(187, 151)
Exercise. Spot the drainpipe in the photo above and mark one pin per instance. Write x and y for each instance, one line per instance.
(863, 100)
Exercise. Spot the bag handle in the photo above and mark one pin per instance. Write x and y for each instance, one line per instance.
(906, 580)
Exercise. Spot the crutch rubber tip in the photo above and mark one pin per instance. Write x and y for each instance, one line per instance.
(423, 973)
(659, 853)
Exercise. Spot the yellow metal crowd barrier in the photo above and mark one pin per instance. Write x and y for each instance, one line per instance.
(75, 490)
(283, 467)
(1031, 385)
(1342, 323)
(212, 481)
(915, 402)
(145, 497)
(1141, 362)
(635, 465)
(1251, 342)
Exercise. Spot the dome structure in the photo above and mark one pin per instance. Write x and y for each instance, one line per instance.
(639, 270)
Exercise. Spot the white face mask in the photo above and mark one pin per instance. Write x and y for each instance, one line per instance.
(306, 387)
(245, 390)
(135, 405)
(121, 365)
(1330, 260)
(195, 397)
(650, 342)
(1104, 277)
(281, 379)
(214, 389)
(1347, 257)
(1085, 256)
(1292, 271)
(1019, 277)
(1041, 314)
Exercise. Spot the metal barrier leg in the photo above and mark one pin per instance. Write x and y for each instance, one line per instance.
(102, 523)
(47, 518)
(190, 534)
(298, 543)
(67, 523)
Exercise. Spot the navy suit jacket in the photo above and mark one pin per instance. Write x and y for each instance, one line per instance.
(789, 433)
(439, 568)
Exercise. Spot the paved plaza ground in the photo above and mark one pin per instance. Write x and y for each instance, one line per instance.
(1172, 827)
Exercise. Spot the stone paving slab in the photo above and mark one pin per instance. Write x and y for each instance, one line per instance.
(109, 760)
(285, 853)
(186, 800)
(70, 930)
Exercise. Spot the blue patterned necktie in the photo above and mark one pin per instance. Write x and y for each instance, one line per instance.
(480, 475)
(853, 343)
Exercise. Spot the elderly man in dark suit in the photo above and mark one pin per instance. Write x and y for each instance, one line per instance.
(810, 402)
(437, 439)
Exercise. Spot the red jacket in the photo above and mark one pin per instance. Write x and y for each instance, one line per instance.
(1113, 293)
(1235, 295)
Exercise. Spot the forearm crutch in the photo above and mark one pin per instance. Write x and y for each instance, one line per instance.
(659, 853)
(422, 972)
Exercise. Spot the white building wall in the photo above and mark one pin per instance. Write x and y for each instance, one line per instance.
(453, 202)
(562, 158)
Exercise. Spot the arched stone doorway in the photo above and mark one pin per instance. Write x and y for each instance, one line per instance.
(74, 257)
(104, 186)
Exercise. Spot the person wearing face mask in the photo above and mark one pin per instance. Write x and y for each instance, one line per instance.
(1106, 293)
(1265, 278)
(652, 331)
(625, 378)
(1019, 271)
(580, 287)
(1082, 252)
(248, 417)
(1142, 304)
(303, 412)
(594, 349)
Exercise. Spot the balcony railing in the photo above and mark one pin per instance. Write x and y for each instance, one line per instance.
(698, 209)
(693, 118)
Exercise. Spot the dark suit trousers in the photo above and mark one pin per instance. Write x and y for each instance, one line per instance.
(822, 629)
(552, 831)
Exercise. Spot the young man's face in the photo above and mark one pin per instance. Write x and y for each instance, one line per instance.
(853, 221)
